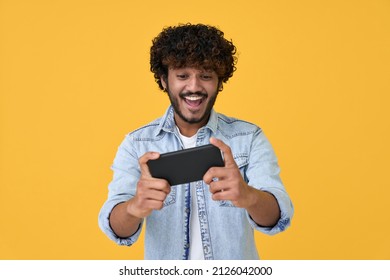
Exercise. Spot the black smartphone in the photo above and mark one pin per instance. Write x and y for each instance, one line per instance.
(185, 166)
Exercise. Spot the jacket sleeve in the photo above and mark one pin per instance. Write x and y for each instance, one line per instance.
(121, 188)
(263, 174)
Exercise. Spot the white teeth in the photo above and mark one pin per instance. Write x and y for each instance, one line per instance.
(193, 97)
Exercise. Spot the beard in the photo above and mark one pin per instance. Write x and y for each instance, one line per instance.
(192, 120)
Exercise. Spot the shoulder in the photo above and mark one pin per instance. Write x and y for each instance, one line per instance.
(138, 141)
(231, 127)
(145, 132)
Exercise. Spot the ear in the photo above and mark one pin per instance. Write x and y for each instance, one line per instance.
(220, 86)
(163, 82)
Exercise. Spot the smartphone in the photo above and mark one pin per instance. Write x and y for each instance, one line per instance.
(185, 166)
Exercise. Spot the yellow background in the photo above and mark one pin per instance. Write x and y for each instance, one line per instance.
(74, 79)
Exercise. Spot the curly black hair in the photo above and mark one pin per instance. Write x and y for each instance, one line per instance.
(189, 45)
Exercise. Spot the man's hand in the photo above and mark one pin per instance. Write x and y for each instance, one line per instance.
(261, 206)
(151, 192)
(230, 184)
(126, 217)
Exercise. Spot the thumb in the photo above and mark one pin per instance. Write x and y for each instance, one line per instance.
(227, 152)
(143, 162)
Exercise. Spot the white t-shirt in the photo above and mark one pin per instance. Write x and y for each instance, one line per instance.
(196, 248)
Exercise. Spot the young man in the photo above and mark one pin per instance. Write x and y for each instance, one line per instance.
(209, 219)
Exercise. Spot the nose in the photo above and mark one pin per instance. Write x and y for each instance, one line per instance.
(194, 84)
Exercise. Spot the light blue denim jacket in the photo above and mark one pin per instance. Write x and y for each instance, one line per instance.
(226, 230)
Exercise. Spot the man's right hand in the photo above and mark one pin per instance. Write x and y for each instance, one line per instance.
(151, 192)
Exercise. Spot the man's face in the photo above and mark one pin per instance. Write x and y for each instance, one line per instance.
(192, 93)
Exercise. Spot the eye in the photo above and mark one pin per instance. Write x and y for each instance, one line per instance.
(206, 77)
(181, 76)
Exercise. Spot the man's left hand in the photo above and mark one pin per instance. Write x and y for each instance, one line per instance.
(229, 184)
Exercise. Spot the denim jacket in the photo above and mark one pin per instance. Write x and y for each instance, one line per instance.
(226, 230)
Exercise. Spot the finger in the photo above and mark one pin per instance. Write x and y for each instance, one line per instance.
(158, 190)
(214, 172)
(147, 184)
(160, 185)
(227, 152)
(143, 162)
(218, 186)
(153, 194)
(221, 195)
(153, 204)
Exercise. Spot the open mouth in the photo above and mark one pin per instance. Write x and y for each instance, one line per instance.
(194, 101)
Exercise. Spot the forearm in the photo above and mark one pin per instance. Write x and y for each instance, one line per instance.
(264, 209)
(122, 223)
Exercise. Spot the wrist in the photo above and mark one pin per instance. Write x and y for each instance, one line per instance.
(253, 198)
(133, 211)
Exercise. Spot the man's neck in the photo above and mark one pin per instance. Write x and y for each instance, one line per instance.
(188, 129)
